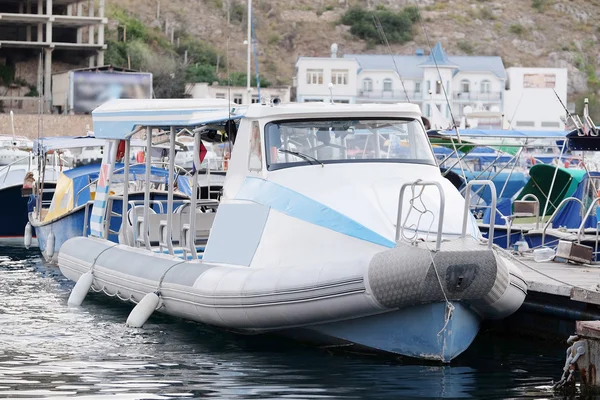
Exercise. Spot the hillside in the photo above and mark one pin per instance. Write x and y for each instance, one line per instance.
(542, 33)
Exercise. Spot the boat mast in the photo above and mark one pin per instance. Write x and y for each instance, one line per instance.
(249, 88)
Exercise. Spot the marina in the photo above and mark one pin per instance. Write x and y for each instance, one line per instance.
(397, 204)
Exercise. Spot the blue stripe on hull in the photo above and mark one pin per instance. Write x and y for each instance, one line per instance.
(411, 332)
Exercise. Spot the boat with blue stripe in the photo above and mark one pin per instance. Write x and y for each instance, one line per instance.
(334, 226)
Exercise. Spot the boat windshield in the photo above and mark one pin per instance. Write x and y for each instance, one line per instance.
(329, 141)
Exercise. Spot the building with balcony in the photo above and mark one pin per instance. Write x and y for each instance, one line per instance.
(474, 82)
(33, 33)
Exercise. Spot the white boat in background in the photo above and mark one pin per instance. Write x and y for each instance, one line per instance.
(351, 237)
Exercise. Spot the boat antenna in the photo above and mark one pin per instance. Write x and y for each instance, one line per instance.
(12, 125)
(254, 44)
(384, 39)
(439, 73)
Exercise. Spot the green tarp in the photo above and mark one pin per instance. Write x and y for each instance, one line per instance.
(541, 176)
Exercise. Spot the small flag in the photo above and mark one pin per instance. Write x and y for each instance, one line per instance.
(203, 151)
(121, 150)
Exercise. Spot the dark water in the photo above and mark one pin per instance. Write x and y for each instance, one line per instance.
(50, 351)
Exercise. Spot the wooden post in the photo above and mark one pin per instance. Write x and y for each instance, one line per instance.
(590, 360)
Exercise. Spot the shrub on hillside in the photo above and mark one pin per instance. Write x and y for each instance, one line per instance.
(397, 26)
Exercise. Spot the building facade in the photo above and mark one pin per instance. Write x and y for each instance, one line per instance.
(238, 94)
(454, 85)
(532, 98)
(57, 29)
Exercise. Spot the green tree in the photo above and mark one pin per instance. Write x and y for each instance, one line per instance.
(201, 73)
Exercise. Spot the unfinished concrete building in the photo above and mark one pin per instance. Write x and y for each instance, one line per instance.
(37, 36)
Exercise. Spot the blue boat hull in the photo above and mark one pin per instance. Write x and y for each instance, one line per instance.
(416, 332)
(13, 213)
(64, 228)
(500, 236)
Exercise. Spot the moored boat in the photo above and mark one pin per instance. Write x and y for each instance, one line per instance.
(334, 222)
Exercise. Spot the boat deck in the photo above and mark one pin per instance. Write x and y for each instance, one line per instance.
(578, 282)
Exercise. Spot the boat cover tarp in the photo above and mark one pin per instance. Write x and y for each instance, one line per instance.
(503, 208)
(570, 214)
(516, 181)
(578, 140)
(72, 188)
(541, 176)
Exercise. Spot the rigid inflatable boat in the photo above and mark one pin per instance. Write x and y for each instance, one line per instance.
(335, 225)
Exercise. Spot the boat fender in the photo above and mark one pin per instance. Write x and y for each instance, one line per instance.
(143, 310)
(50, 246)
(81, 289)
(27, 235)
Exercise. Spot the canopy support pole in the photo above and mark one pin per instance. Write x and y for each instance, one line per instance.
(146, 223)
(125, 201)
(171, 181)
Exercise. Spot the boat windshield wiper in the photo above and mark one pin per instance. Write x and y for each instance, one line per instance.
(301, 155)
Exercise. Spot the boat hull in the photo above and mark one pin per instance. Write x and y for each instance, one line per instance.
(14, 214)
(418, 332)
(63, 228)
(244, 300)
(500, 236)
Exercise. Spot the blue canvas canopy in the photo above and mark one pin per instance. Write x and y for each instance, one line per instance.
(571, 214)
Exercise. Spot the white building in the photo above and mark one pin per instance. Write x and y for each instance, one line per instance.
(237, 94)
(474, 82)
(314, 74)
(530, 101)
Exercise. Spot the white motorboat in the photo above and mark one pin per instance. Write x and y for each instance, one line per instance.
(351, 237)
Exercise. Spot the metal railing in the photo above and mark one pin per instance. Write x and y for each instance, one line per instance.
(469, 96)
(492, 207)
(580, 231)
(177, 167)
(509, 219)
(400, 225)
(549, 222)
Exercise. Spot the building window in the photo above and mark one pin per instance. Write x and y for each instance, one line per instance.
(312, 100)
(438, 87)
(219, 95)
(465, 86)
(314, 76)
(255, 99)
(237, 98)
(367, 85)
(387, 85)
(417, 87)
(529, 124)
(427, 110)
(339, 76)
(485, 86)
(550, 124)
(429, 87)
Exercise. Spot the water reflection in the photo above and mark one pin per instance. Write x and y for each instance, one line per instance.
(51, 351)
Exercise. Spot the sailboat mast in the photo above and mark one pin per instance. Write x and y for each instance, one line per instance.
(249, 46)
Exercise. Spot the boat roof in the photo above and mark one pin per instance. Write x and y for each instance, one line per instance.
(333, 110)
(117, 119)
(46, 144)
